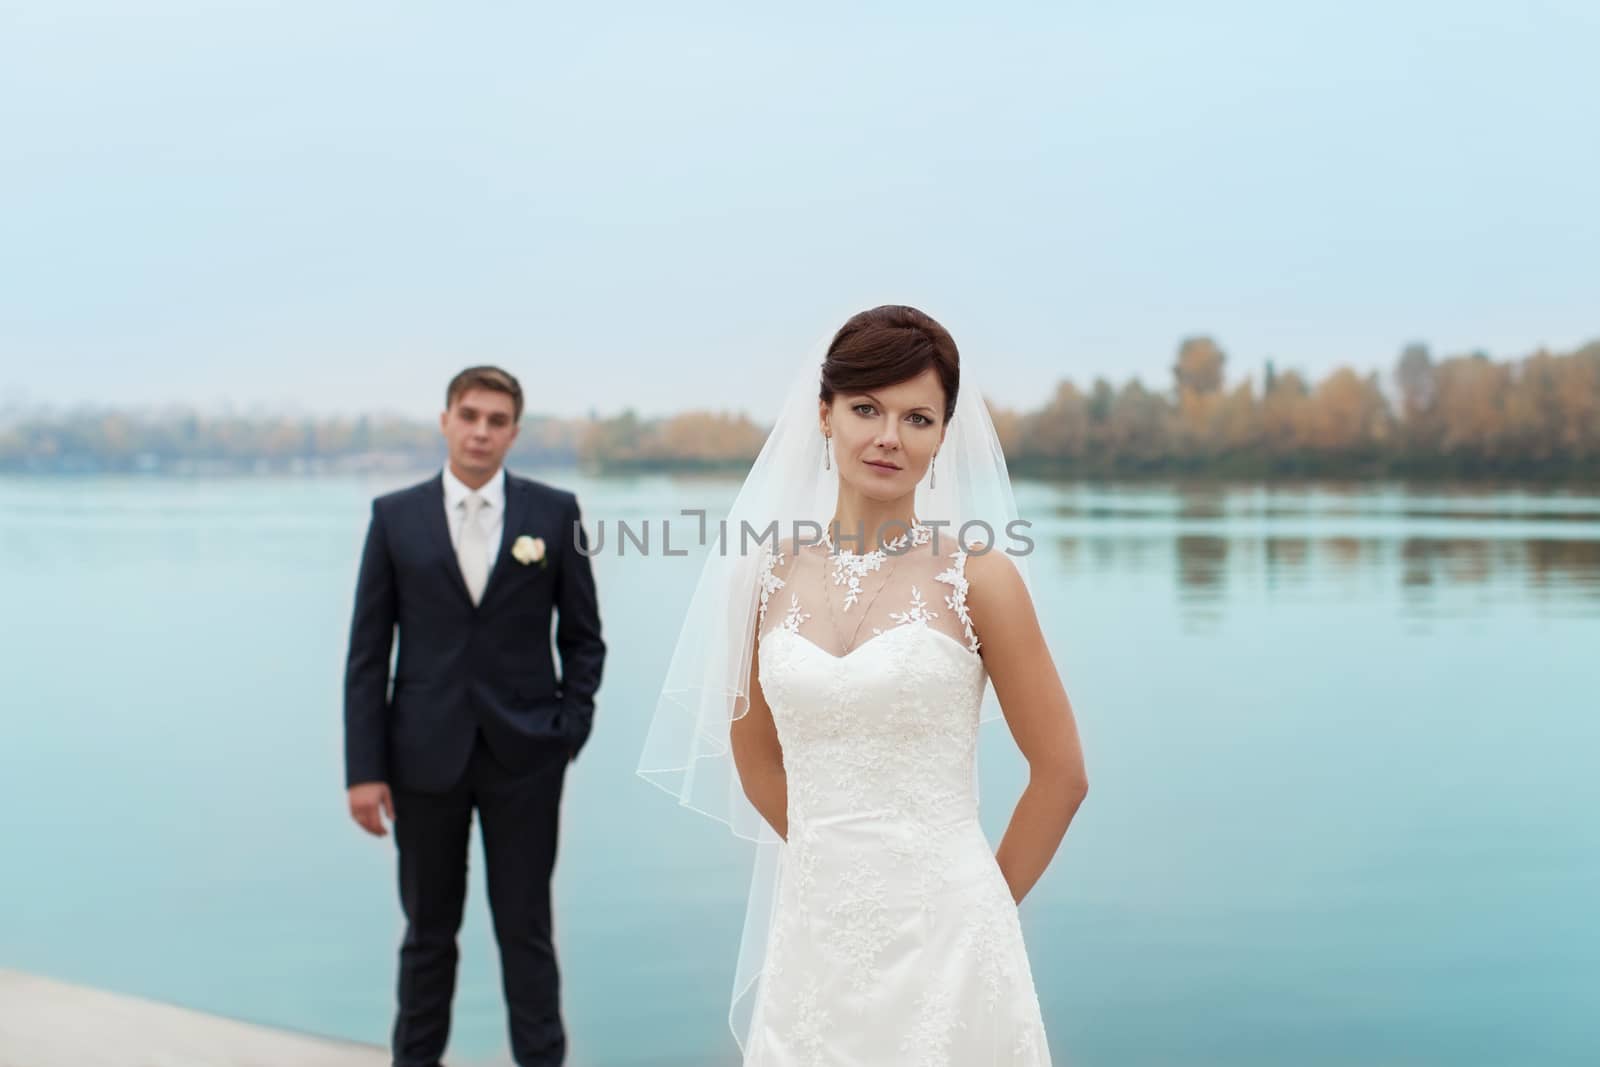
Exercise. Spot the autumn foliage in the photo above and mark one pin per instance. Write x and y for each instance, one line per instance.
(1461, 416)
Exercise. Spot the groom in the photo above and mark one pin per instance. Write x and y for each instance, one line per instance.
(469, 565)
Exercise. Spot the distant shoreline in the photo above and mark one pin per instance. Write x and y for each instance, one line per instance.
(1462, 419)
(1579, 476)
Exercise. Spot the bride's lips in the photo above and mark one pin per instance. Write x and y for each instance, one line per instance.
(881, 466)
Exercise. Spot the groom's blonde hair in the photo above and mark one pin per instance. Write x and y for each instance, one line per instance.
(486, 377)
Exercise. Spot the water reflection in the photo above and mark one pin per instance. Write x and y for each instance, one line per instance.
(1553, 562)
(1202, 567)
(1203, 501)
(1208, 507)
(1441, 555)
(1429, 575)
(1284, 557)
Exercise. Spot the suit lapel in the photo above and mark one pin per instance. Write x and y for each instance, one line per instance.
(435, 520)
(517, 495)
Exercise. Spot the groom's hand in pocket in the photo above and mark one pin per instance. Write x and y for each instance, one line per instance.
(367, 800)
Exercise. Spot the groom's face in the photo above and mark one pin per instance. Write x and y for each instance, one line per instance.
(479, 426)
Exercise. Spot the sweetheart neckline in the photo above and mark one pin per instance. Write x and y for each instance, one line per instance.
(884, 633)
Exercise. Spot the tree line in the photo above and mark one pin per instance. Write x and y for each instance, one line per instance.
(1460, 416)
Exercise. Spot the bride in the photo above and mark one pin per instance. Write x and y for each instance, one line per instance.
(824, 699)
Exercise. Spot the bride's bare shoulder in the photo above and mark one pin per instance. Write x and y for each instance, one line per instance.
(993, 580)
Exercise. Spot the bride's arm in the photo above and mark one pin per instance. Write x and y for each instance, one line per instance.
(758, 755)
(1037, 711)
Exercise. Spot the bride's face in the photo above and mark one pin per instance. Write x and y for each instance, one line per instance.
(884, 438)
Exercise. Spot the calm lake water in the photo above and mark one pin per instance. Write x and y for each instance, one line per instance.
(1342, 744)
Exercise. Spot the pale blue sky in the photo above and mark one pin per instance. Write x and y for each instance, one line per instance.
(328, 207)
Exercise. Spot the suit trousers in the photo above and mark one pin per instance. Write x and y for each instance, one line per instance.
(519, 815)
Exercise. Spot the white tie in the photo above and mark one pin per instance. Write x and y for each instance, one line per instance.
(472, 548)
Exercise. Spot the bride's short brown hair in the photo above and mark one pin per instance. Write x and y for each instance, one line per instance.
(889, 344)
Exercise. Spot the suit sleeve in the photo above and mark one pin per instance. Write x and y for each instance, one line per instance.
(366, 672)
(578, 638)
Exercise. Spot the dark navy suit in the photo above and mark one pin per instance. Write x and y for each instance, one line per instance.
(477, 718)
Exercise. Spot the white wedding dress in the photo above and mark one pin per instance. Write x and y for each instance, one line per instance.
(894, 939)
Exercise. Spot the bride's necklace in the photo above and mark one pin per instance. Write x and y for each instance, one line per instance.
(849, 566)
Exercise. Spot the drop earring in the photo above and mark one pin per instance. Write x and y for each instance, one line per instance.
(827, 440)
(932, 460)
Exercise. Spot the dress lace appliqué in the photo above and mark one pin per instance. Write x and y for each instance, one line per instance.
(794, 616)
(956, 599)
(770, 583)
(848, 566)
(918, 612)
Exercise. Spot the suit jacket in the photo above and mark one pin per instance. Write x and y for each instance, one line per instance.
(462, 667)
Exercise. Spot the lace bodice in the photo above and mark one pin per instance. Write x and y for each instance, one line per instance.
(838, 598)
(871, 666)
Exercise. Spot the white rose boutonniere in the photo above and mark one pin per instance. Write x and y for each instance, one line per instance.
(526, 550)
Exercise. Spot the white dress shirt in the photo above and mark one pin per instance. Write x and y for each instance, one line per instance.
(492, 516)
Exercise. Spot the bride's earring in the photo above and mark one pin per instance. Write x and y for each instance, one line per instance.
(827, 464)
(934, 459)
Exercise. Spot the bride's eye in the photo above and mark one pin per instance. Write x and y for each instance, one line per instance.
(925, 420)
(858, 409)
